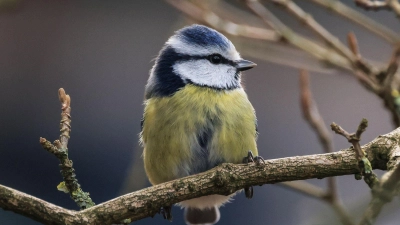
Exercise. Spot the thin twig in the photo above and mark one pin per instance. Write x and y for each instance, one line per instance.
(307, 19)
(354, 16)
(392, 69)
(354, 138)
(225, 26)
(364, 164)
(390, 85)
(60, 149)
(321, 53)
(311, 113)
(299, 41)
(313, 117)
(306, 188)
(382, 194)
(361, 70)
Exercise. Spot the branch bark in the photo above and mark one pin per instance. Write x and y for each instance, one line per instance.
(224, 179)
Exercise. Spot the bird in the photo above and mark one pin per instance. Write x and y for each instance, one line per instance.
(197, 115)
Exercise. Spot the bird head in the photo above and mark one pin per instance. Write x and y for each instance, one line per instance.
(196, 55)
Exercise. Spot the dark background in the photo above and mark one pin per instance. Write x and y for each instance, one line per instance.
(101, 51)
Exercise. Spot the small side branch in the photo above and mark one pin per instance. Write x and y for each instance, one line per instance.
(313, 117)
(382, 194)
(308, 20)
(60, 149)
(364, 164)
(214, 20)
(311, 113)
(360, 19)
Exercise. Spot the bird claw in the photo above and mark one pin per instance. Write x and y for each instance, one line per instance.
(248, 191)
(166, 212)
(250, 158)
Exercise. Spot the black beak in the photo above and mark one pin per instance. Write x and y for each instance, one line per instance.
(243, 65)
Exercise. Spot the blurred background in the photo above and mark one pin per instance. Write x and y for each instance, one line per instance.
(101, 51)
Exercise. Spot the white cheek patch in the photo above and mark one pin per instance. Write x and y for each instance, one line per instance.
(204, 73)
(185, 48)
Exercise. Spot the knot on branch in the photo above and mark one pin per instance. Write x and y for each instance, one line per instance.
(220, 178)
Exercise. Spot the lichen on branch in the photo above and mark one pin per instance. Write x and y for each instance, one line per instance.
(60, 149)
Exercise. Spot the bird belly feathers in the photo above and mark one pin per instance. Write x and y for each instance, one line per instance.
(195, 130)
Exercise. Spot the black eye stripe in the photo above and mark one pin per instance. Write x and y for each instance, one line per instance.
(194, 57)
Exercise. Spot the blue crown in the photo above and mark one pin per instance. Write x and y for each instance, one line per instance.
(202, 36)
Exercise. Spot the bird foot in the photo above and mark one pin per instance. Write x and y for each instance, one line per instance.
(166, 212)
(248, 191)
(250, 158)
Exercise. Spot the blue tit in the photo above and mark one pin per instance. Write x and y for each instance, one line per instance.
(196, 114)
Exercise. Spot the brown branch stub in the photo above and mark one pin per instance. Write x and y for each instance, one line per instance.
(60, 149)
(65, 123)
(361, 128)
(353, 44)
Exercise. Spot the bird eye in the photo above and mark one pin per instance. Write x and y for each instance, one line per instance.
(215, 58)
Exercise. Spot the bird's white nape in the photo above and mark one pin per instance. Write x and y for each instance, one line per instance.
(183, 47)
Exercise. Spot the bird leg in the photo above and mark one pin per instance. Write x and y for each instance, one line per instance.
(248, 191)
(166, 212)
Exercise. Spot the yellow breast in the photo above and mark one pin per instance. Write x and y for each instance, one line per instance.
(173, 124)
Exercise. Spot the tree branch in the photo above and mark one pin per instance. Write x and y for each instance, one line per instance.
(224, 179)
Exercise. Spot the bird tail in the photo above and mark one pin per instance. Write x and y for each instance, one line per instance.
(207, 216)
